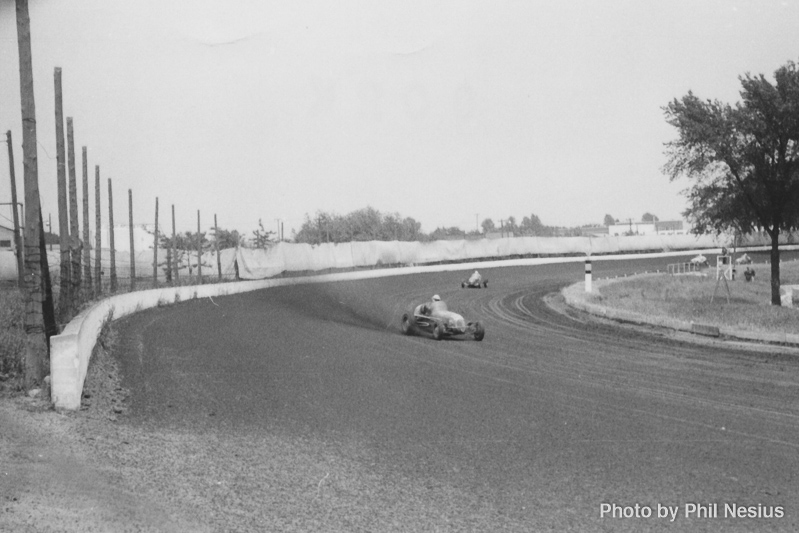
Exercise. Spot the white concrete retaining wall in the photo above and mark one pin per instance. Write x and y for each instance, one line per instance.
(71, 350)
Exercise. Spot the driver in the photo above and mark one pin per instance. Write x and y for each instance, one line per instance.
(475, 279)
(434, 305)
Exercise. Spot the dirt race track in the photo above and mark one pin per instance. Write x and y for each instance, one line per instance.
(305, 409)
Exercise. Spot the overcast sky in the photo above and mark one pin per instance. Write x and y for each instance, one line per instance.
(447, 112)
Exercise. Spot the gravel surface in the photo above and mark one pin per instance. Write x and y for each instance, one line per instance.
(333, 421)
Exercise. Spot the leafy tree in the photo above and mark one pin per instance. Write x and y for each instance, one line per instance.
(228, 238)
(532, 226)
(366, 224)
(743, 160)
(261, 238)
(649, 217)
(609, 220)
(487, 225)
(441, 234)
(184, 252)
(510, 225)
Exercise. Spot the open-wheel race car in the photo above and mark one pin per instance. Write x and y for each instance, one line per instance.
(435, 318)
(475, 281)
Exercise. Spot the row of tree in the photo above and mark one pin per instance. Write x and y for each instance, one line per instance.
(369, 224)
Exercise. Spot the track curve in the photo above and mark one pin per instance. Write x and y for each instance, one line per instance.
(533, 428)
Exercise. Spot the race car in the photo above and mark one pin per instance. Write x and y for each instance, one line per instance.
(475, 281)
(438, 320)
(480, 284)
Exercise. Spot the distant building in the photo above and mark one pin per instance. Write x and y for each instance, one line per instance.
(6, 238)
(498, 234)
(660, 227)
(594, 231)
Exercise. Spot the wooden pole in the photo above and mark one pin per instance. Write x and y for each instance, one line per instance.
(132, 250)
(98, 243)
(35, 261)
(111, 238)
(155, 247)
(87, 258)
(74, 230)
(174, 247)
(199, 251)
(216, 245)
(17, 236)
(65, 284)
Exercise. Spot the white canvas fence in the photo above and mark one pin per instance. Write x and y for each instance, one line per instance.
(291, 257)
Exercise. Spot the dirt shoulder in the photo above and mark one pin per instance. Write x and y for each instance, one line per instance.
(52, 477)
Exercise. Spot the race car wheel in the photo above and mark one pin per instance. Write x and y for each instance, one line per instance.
(463, 284)
(479, 331)
(485, 284)
(437, 332)
(406, 324)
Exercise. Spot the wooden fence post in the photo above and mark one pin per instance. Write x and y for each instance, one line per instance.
(87, 257)
(174, 247)
(37, 308)
(155, 247)
(65, 283)
(216, 245)
(132, 250)
(111, 238)
(74, 230)
(199, 251)
(17, 236)
(98, 243)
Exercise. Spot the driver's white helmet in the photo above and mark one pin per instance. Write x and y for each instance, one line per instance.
(436, 298)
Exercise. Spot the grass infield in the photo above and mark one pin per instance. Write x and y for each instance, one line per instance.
(687, 297)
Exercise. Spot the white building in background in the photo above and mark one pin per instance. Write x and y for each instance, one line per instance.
(142, 237)
(660, 227)
(7, 238)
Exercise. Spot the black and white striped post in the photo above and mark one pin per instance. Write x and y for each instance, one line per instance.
(588, 275)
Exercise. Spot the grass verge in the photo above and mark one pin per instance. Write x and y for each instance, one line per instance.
(12, 340)
(688, 298)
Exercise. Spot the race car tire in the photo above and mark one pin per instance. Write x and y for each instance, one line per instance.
(463, 284)
(485, 284)
(479, 331)
(406, 324)
(437, 332)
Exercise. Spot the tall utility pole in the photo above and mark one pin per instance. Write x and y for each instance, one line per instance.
(174, 246)
(216, 245)
(87, 258)
(111, 238)
(155, 247)
(74, 230)
(14, 203)
(132, 250)
(98, 243)
(199, 251)
(65, 284)
(35, 325)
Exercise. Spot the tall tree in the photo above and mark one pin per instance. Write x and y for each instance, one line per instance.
(609, 220)
(649, 217)
(742, 159)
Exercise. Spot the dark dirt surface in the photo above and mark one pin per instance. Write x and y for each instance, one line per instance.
(305, 409)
